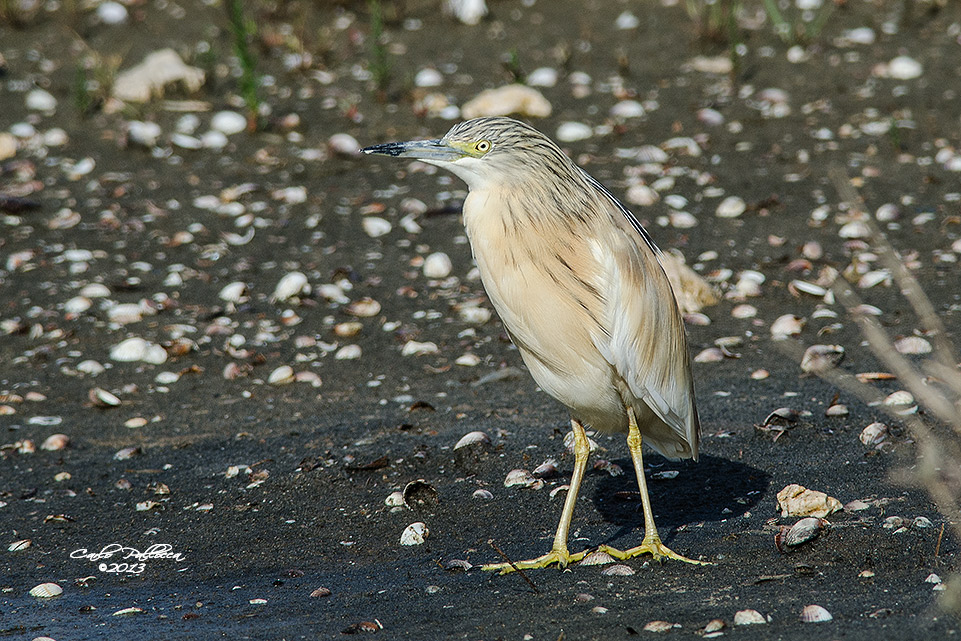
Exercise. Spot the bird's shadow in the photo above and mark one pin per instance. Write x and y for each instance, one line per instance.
(712, 489)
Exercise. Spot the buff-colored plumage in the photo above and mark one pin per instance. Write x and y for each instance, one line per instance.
(577, 283)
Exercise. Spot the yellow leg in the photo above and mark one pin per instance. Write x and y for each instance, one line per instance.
(559, 553)
(652, 541)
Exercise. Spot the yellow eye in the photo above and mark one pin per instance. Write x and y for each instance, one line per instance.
(482, 147)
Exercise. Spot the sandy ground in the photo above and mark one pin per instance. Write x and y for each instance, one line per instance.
(271, 497)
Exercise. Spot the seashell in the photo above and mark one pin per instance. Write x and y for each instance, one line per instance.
(126, 453)
(291, 285)
(468, 360)
(803, 531)
(865, 574)
(437, 265)
(893, 523)
(786, 326)
(912, 345)
(804, 287)
(713, 628)
(135, 422)
(821, 357)
(574, 131)
(748, 617)
(46, 590)
(545, 470)
(145, 506)
(102, 398)
(395, 499)
(932, 578)
(420, 494)
(428, 77)
(874, 434)
(348, 353)
(473, 439)
(899, 398)
(520, 477)
(796, 500)
(760, 374)
(321, 592)
(837, 410)
(922, 523)
(375, 227)
(416, 348)
(228, 122)
(469, 12)
(710, 355)
(874, 278)
(639, 194)
(234, 292)
(482, 494)
(731, 207)
(55, 442)
(281, 376)
(815, 614)
(308, 377)
(660, 626)
(77, 305)
(904, 68)
(18, 546)
(127, 612)
(744, 311)
(348, 329)
(25, 446)
(344, 144)
(627, 109)
(414, 534)
(363, 308)
(542, 77)
(618, 570)
(90, 367)
(458, 564)
(597, 557)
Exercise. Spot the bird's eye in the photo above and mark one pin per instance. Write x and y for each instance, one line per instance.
(483, 146)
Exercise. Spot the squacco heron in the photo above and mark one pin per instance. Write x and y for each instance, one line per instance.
(578, 284)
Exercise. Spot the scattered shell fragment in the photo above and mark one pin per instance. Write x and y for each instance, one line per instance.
(815, 614)
(437, 266)
(395, 499)
(291, 285)
(375, 226)
(522, 478)
(818, 358)
(414, 534)
(618, 569)
(417, 348)
(803, 531)
(348, 353)
(904, 68)
(573, 131)
(874, 434)
(102, 398)
(234, 292)
(363, 308)
(748, 617)
(598, 557)
(321, 592)
(18, 546)
(55, 442)
(472, 439)
(900, 398)
(507, 100)
(912, 345)
(786, 326)
(138, 349)
(469, 12)
(46, 590)
(660, 626)
(148, 79)
(128, 612)
(796, 500)
(281, 376)
(731, 207)
(419, 495)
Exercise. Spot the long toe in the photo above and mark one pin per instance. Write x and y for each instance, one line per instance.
(562, 558)
(655, 548)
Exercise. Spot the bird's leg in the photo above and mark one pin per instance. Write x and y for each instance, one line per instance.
(652, 541)
(559, 553)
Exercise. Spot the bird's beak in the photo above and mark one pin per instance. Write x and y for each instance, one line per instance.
(426, 150)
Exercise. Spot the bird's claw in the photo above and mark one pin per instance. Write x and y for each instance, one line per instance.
(653, 546)
(562, 558)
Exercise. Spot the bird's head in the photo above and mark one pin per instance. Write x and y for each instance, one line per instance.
(483, 151)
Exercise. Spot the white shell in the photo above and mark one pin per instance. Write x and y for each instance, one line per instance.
(473, 314)
(143, 133)
(874, 434)
(797, 500)
(803, 531)
(292, 284)
(904, 68)
(912, 345)
(821, 357)
(375, 227)
(899, 398)
(520, 477)
(744, 311)
(506, 100)
(103, 398)
(364, 308)
(414, 534)
(348, 353)
(228, 122)
(46, 590)
(234, 292)
(437, 265)
(731, 207)
(55, 442)
(137, 349)
(618, 570)
(815, 614)
(20, 545)
(473, 438)
(785, 326)
(468, 360)
(748, 617)
(394, 499)
(469, 12)
(344, 144)
(574, 131)
(482, 494)
(281, 376)
(416, 348)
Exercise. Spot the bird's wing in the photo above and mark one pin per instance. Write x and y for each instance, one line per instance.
(646, 342)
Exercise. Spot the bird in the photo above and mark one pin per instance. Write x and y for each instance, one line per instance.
(578, 284)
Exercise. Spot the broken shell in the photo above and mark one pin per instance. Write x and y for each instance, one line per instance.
(597, 557)
(394, 499)
(281, 376)
(748, 617)
(321, 592)
(414, 534)
(545, 470)
(815, 614)
(803, 531)
(437, 265)
(618, 570)
(55, 442)
(46, 590)
(796, 500)
(363, 308)
(520, 477)
(821, 357)
(874, 434)
(292, 284)
(419, 495)
(785, 326)
(127, 612)
(20, 545)
(912, 345)
(482, 494)
(102, 398)
(660, 626)
(473, 438)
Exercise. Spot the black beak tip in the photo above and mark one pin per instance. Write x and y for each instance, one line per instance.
(386, 149)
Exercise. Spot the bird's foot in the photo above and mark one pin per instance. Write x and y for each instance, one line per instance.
(562, 558)
(650, 545)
